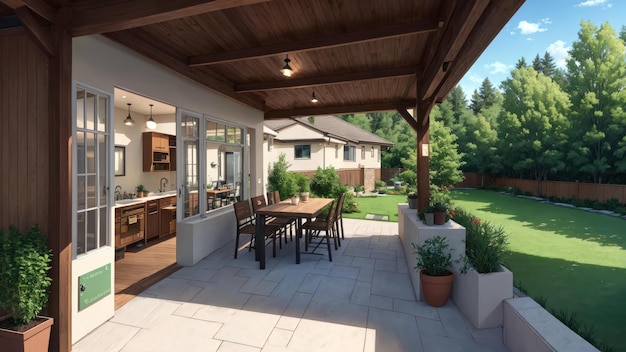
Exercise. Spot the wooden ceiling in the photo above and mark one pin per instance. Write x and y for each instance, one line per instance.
(356, 55)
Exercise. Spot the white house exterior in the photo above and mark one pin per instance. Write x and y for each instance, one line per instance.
(323, 141)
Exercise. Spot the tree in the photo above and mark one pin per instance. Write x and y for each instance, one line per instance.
(597, 88)
(548, 66)
(521, 63)
(537, 64)
(479, 145)
(280, 179)
(445, 160)
(485, 97)
(533, 124)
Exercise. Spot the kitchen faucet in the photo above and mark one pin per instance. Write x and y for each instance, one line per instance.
(161, 185)
(118, 192)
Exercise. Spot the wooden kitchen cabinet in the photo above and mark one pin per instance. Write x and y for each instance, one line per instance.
(152, 219)
(156, 151)
(167, 211)
(129, 224)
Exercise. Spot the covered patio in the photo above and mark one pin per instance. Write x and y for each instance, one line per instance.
(361, 301)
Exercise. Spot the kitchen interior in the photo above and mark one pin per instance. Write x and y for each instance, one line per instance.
(145, 192)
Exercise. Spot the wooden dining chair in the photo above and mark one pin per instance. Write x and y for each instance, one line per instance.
(283, 223)
(339, 217)
(327, 225)
(292, 221)
(246, 224)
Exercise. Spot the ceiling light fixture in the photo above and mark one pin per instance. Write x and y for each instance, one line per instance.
(286, 70)
(129, 120)
(151, 124)
(314, 98)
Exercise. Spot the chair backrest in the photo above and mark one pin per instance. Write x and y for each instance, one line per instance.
(258, 202)
(243, 212)
(276, 196)
(339, 208)
(270, 197)
(330, 217)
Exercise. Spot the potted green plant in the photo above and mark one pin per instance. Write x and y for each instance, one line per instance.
(141, 191)
(24, 263)
(433, 262)
(429, 215)
(358, 190)
(304, 186)
(440, 210)
(411, 198)
(290, 185)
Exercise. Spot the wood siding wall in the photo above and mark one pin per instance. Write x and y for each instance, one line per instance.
(559, 189)
(24, 136)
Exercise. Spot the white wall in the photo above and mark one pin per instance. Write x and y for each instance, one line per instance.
(103, 64)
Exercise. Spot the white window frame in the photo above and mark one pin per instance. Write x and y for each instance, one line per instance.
(295, 157)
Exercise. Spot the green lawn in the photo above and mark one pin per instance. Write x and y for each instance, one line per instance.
(576, 259)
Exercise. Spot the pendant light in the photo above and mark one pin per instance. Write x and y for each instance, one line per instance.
(286, 70)
(314, 98)
(129, 120)
(151, 124)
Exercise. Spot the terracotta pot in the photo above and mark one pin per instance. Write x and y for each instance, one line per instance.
(37, 339)
(440, 217)
(436, 289)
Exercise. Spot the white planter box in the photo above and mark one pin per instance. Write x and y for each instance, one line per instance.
(480, 296)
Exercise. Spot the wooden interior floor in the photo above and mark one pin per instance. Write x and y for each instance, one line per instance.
(143, 267)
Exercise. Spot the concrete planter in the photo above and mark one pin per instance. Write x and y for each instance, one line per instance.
(480, 296)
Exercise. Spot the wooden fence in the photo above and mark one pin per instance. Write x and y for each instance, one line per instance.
(561, 189)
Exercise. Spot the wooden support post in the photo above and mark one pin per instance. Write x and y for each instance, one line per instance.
(60, 192)
(423, 159)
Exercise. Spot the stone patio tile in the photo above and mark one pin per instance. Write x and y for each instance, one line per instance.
(280, 337)
(418, 309)
(430, 326)
(366, 274)
(235, 347)
(381, 302)
(218, 295)
(345, 272)
(266, 304)
(165, 334)
(108, 337)
(358, 252)
(188, 309)
(295, 310)
(370, 340)
(215, 314)
(323, 336)
(386, 265)
(401, 266)
(144, 312)
(438, 343)
(453, 322)
(364, 263)
(248, 328)
(173, 289)
(394, 331)
(195, 273)
(310, 283)
(361, 293)
(340, 259)
(394, 285)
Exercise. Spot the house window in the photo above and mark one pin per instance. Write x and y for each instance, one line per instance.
(349, 153)
(270, 144)
(302, 151)
(373, 151)
(362, 152)
(336, 151)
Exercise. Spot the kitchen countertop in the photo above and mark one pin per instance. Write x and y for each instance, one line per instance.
(134, 201)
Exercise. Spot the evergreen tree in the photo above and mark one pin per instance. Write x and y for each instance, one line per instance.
(537, 64)
(597, 88)
(548, 67)
(485, 97)
(521, 63)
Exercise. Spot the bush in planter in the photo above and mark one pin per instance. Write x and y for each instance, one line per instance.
(433, 261)
(24, 264)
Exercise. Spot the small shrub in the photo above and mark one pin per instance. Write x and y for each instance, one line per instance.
(379, 184)
(597, 205)
(612, 204)
(326, 183)
(382, 191)
(359, 188)
(408, 177)
(434, 256)
(513, 190)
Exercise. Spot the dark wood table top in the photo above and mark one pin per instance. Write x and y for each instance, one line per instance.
(307, 209)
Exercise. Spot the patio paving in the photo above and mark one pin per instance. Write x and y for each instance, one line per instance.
(361, 301)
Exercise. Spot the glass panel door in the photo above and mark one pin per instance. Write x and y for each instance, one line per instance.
(187, 132)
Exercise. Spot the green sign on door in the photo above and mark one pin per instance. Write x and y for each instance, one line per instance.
(94, 286)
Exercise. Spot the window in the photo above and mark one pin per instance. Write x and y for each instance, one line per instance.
(336, 151)
(373, 151)
(362, 152)
(90, 153)
(270, 144)
(349, 153)
(213, 159)
(302, 151)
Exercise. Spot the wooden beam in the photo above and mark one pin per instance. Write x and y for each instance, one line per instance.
(218, 84)
(40, 7)
(407, 116)
(465, 16)
(96, 16)
(60, 192)
(328, 110)
(325, 80)
(423, 165)
(39, 34)
(318, 43)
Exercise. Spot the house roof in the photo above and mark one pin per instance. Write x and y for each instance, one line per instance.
(332, 126)
(356, 55)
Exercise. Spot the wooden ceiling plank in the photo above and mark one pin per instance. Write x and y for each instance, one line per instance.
(164, 58)
(40, 34)
(318, 43)
(95, 16)
(338, 110)
(325, 80)
(40, 7)
(463, 20)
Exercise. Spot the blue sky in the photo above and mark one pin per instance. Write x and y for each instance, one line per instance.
(537, 27)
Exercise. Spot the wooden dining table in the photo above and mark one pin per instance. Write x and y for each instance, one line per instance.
(303, 210)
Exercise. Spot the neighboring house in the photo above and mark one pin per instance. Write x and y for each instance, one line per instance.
(323, 141)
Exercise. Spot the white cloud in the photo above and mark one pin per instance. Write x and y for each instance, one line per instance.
(497, 67)
(474, 78)
(526, 27)
(558, 50)
(590, 3)
(546, 20)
